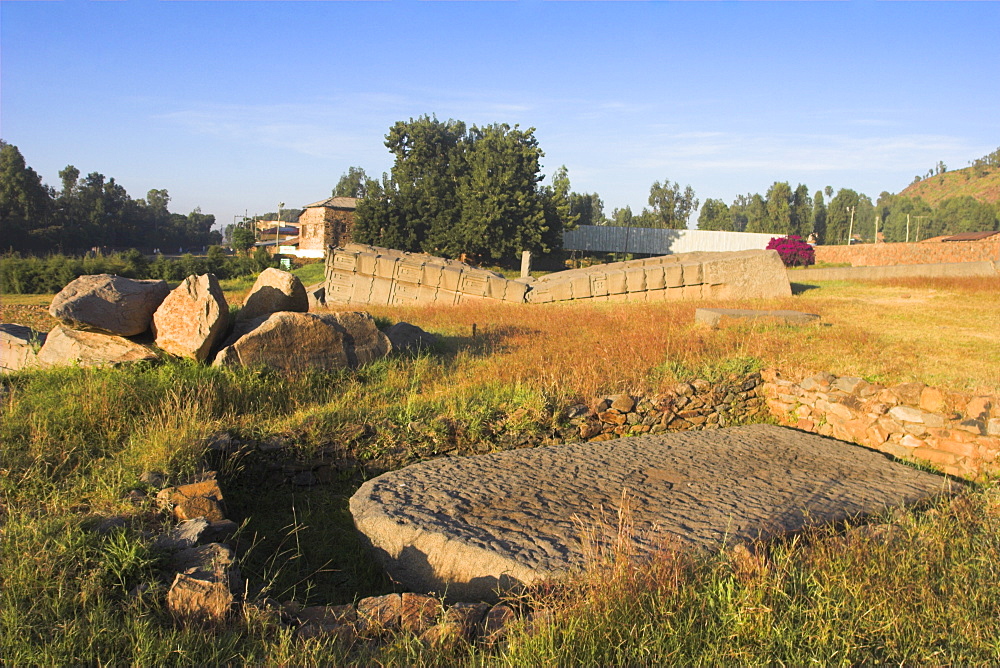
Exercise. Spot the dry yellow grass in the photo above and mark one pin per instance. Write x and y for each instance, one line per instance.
(943, 332)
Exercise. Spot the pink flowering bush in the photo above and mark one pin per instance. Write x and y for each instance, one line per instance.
(793, 250)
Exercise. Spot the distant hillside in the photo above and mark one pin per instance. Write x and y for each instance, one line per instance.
(960, 182)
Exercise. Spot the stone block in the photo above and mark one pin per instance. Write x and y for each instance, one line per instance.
(635, 280)
(515, 292)
(691, 273)
(410, 271)
(598, 284)
(432, 274)
(346, 261)
(19, 347)
(67, 347)
(673, 276)
(978, 408)
(654, 278)
(714, 317)
(958, 448)
(199, 600)
(381, 290)
(907, 414)
(932, 400)
(362, 291)
(367, 264)
(385, 266)
(340, 287)
(935, 456)
(616, 282)
(474, 285)
(690, 292)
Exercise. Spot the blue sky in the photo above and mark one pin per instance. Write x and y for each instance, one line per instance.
(235, 106)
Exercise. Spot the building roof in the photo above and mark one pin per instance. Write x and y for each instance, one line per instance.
(970, 236)
(335, 203)
(281, 230)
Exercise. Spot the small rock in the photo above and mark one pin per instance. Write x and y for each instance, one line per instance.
(418, 612)
(496, 623)
(207, 562)
(907, 414)
(199, 506)
(380, 613)
(199, 599)
(622, 403)
(182, 536)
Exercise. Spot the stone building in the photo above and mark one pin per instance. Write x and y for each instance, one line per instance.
(325, 223)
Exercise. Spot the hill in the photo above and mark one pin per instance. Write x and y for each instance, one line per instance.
(934, 189)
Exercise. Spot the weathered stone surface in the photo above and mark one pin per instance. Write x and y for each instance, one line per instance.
(188, 500)
(300, 341)
(66, 347)
(713, 317)
(418, 612)
(186, 534)
(405, 337)
(274, 291)
(459, 623)
(316, 294)
(192, 318)
(19, 347)
(468, 526)
(198, 599)
(380, 613)
(108, 304)
(497, 622)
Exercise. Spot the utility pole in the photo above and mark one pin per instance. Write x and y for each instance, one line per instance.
(850, 230)
(277, 228)
(907, 228)
(919, 218)
(876, 228)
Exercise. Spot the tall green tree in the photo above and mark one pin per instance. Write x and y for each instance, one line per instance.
(671, 207)
(588, 208)
(353, 183)
(756, 214)
(819, 217)
(778, 203)
(715, 215)
(454, 190)
(800, 220)
(24, 200)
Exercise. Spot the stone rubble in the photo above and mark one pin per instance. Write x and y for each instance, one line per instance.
(956, 432)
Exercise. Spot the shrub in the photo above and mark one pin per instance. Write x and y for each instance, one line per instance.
(793, 250)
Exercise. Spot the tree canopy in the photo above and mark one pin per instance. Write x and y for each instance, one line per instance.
(455, 190)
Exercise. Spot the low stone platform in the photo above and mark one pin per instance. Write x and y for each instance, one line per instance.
(467, 527)
(713, 317)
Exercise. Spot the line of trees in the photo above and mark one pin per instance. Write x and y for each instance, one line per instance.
(783, 210)
(92, 211)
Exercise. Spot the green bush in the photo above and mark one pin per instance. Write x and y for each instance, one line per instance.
(44, 275)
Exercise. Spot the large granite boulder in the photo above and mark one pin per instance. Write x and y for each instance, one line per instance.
(192, 318)
(292, 341)
(108, 304)
(274, 291)
(19, 347)
(466, 527)
(66, 347)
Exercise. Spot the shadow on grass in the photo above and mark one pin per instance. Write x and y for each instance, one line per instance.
(799, 288)
(300, 544)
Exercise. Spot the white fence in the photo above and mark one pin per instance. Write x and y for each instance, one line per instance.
(607, 239)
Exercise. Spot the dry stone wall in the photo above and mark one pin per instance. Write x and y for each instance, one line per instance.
(958, 433)
(878, 255)
(357, 274)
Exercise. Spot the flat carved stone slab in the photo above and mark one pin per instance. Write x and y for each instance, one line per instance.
(469, 526)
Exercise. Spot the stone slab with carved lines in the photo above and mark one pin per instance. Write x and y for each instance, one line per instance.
(468, 527)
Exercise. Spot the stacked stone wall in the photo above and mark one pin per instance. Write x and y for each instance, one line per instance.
(880, 255)
(958, 433)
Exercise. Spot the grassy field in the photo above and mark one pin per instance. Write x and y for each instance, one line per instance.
(74, 442)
